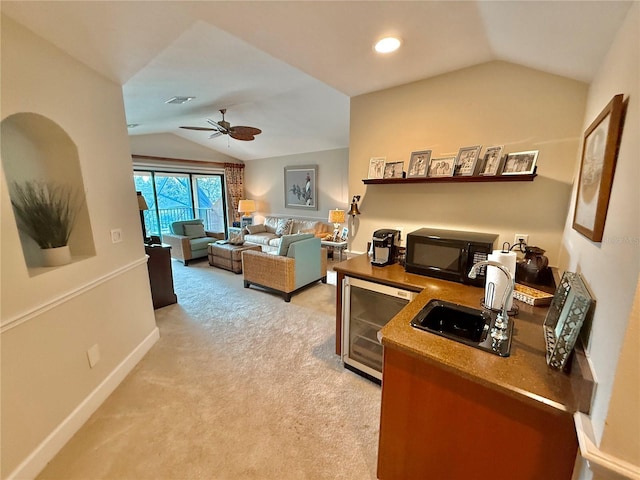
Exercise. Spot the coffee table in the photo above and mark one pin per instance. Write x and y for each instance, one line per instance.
(227, 256)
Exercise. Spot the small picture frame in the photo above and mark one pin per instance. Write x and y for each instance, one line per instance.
(336, 235)
(419, 164)
(344, 236)
(467, 159)
(571, 305)
(376, 167)
(491, 160)
(520, 163)
(393, 170)
(442, 167)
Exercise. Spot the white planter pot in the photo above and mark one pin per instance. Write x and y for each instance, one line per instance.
(54, 257)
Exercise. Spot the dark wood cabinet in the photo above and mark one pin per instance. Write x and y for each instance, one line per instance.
(160, 275)
(437, 424)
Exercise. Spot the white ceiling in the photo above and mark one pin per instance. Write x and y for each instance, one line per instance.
(290, 67)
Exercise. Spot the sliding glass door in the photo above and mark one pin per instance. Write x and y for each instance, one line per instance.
(181, 196)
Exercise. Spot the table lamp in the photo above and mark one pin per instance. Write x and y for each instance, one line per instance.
(246, 207)
(142, 206)
(336, 217)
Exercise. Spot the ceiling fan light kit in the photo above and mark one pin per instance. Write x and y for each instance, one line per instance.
(223, 127)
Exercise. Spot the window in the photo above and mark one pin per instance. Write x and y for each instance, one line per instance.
(181, 196)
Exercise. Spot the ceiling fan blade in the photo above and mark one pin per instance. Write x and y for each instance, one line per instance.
(241, 136)
(240, 130)
(199, 128)
(216, 134)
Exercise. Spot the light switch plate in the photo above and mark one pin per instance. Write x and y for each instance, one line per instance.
(116, 235)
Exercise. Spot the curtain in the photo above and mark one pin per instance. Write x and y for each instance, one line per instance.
(234, 175)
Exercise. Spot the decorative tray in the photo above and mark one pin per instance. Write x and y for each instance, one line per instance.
(531, 296)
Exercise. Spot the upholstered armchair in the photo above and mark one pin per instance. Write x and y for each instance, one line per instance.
(300, 262)
(189, 240)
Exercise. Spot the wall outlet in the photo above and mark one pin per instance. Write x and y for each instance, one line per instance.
(116, 235)
(93, 355)
(521, 236)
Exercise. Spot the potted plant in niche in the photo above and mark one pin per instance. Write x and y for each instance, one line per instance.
(47, 212)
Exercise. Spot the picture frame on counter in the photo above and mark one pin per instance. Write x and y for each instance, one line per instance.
(442, 167)
(376, 167)
(466, 160)
(520, 163)
(597, 168)
(394, 170)
(492, 160)
(419, 164)
(569, 308)
(344, 235)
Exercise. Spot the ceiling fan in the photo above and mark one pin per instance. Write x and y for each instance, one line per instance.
(224, 128)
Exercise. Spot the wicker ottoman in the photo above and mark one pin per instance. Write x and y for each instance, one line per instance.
(228, 256)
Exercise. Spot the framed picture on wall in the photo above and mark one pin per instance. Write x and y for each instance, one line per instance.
(301, 187)
(599, 156)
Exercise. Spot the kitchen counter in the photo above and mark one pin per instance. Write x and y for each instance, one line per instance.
(523, 375)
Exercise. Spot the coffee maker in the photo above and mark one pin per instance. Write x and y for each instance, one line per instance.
(384, 246)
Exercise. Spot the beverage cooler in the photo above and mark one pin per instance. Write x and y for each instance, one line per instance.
(367, 307)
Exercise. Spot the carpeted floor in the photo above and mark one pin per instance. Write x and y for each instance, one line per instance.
(241, 385)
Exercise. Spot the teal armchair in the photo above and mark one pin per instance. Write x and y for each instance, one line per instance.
(300, 262)
(189, 240)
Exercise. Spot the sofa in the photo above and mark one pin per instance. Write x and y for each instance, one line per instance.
(269, 233)
(189, 240)
(299, 262)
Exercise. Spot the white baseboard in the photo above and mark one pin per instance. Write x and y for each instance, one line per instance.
(50, 446)
(601, 462)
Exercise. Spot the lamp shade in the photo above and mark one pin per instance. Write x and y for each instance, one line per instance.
(142, 203)
(246, 206)
(336, 216)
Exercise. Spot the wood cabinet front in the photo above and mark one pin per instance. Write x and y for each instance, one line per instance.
(439, 425)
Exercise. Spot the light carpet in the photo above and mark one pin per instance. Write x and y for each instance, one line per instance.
(241, 385)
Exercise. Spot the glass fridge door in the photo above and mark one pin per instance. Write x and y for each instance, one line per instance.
(368, 308)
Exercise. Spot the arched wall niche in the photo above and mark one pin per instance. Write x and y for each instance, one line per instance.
(35, 147)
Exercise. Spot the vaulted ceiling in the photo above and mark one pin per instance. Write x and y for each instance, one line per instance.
(290, 67)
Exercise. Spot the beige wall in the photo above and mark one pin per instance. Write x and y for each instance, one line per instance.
(496, 103)
(264, 182)
(52, 319)
(172, 146)
(611, 268)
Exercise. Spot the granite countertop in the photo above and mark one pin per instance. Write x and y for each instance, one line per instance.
(524, 374)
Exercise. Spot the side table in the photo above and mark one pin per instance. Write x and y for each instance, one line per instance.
(335, 246)
(160, 275)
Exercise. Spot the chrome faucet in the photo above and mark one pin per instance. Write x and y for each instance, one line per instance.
(499, 331)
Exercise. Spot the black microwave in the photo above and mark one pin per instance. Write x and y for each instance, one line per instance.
(448, 254)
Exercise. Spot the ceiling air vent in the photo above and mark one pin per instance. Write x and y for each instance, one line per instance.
(179, 100)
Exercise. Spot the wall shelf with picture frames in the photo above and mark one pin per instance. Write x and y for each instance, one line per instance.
(455, 179)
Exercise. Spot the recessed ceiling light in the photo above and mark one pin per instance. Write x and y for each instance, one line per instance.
(179, 100)
(387, 45)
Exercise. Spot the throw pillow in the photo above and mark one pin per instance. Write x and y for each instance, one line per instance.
(252, 229)
(194, 231)
(236, 239)
(287, 240)
(284, 226)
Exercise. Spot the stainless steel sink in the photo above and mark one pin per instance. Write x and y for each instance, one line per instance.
(462, 324)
